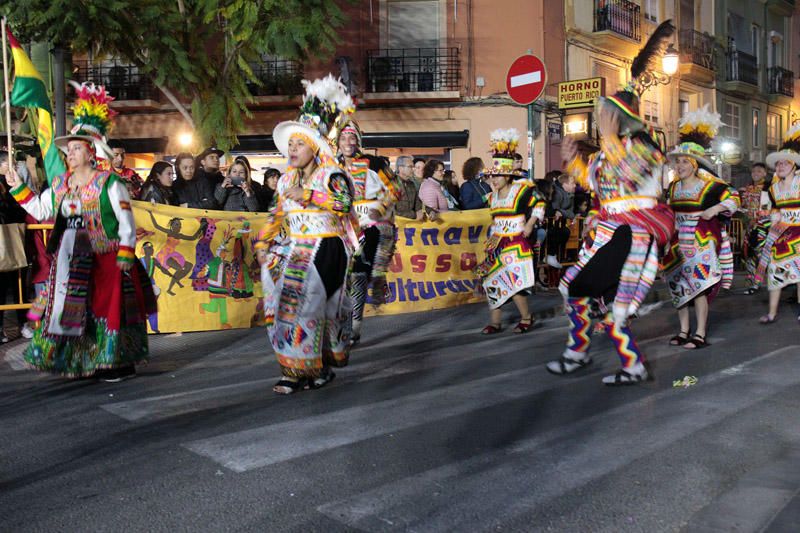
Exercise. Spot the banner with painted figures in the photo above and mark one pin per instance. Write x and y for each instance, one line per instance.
(202, 267)
(205, 276)
(433, 265)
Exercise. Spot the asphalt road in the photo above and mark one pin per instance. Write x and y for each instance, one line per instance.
(432, 427)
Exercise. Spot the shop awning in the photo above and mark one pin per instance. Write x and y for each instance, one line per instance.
(400, 139)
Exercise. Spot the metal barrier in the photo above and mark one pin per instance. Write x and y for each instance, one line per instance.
(20, 300)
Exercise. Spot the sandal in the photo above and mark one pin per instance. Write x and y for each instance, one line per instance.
(766, 319)
(697, 342)
(288, 386)
(491, 329)
(524, 325)
(624, 378)
(565, 365)
(319, 382)
(680, 339)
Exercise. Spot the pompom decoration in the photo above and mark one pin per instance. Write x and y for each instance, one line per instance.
(699, 126)
(91, 110)
(792, 139)
(328, 104)
(504, 142)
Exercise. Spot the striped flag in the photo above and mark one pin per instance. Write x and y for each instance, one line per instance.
(29, 91)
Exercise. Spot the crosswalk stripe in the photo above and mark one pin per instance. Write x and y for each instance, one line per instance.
(258, 447)
(537, 469)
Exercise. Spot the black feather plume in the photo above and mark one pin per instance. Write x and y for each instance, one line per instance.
(652, 47)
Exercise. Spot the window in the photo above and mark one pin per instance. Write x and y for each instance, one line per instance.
(413, 23)
(773, 130)
(755, 39)
(687, 14)
(732, 120)
(775, 57)
(650, 10)
(756, 128)
(609, 73)
(651, 111)
(683, 107)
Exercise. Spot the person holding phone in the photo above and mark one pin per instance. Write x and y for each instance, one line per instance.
(236, 192)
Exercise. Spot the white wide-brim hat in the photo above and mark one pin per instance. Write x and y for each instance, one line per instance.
(81, 133)
(284, 131)
(783, 155)
(702, 161)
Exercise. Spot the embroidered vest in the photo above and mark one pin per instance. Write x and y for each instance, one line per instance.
(93, 207)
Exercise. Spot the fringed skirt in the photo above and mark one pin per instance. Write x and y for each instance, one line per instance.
(779, 263)
(92, 315)
(699, 261)
(307, 307)
(507, 269)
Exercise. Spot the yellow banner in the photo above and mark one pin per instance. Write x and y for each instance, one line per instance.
(432, 267)
(206, 278)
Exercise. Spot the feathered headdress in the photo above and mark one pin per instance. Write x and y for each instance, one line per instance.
(627, 99)
(696, 130)
(790, 149)
(504, 143)
(92, 118)
(326, 109)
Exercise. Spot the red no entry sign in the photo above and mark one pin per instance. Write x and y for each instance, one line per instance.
(526, 79)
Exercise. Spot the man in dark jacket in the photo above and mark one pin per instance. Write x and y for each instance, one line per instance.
(207, 165)
(563, 207)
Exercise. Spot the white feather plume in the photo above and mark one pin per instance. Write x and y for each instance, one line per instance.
(328, 90)
(699, 119)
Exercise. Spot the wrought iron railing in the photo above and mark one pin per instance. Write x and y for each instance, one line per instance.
(277, 77)
(122, 81)
(781, 81)
(413, 70)
(697, 48)
(742, 67)
(620, 16)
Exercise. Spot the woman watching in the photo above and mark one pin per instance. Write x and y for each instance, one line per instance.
(157, 187)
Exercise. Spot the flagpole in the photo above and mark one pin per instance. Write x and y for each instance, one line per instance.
(8, 97)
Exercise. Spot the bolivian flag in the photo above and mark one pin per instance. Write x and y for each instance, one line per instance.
(29, 91)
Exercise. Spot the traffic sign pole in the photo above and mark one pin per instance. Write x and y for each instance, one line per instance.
(525, 83)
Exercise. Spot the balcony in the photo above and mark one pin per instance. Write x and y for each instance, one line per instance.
(420, 73)
(781, 84)
(279, 78)
(124, 82)
(742, 72)
(697, 60)
(617, 26)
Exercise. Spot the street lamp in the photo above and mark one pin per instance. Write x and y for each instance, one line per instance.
(669, 66)
(185, 139)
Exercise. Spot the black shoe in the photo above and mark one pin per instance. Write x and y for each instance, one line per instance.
(115, 375)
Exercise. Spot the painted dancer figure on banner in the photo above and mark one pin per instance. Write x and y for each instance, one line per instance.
(241, 286)
(508, 273)
(375, 193)
(203, 253)
(615, 273)
(169, 256)
(779, 263)
(699, 261)
(218, 274)
(305, 268)
(150, 264)
(92, 312)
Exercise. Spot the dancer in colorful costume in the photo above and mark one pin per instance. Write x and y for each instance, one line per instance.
(779, 263)
(507, 273)
(754, 199)
(92, 313)
(699, 262)
(620, 266)
(304, 271)
(375, 193)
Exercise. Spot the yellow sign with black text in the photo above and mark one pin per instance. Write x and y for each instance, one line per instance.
(580, 93)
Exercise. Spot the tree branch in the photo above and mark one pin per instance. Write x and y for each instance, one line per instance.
(174, 101)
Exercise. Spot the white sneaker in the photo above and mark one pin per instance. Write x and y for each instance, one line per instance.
(27, 331)
(552, 261)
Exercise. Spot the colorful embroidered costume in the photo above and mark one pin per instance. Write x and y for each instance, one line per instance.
(309, 244)
(699, 260)
(779, 263)
(375, 192)
(92, 315)
(618, 268)
(508, 267)
(753, 198)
